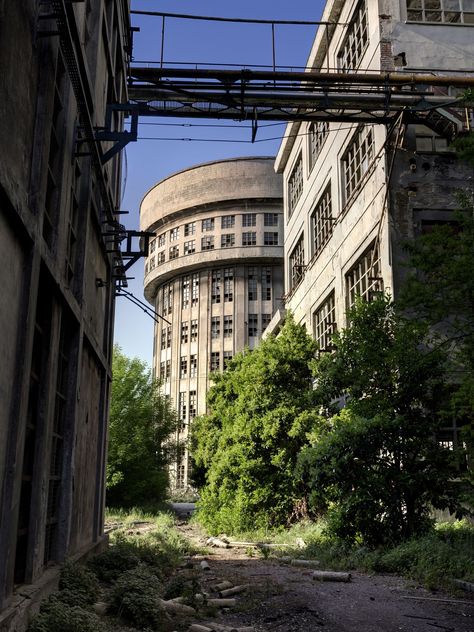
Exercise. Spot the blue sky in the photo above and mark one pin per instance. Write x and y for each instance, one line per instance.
(199, 42)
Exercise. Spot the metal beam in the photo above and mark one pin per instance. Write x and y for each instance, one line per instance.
(288, 96)
(312, 76)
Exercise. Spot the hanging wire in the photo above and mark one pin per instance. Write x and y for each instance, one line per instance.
(143, 306)
(260, 140)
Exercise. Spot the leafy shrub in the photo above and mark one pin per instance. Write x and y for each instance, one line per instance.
(56, 616)
(435, 559)
(183, 585)
(376, 465)
(117, 559)
(135, 597)
(245, 450)
(78, 585)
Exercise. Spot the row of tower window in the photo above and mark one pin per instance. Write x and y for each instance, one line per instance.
(209, 224)
(219, 325)
(188, 364)
(248, 238)
(222, 288)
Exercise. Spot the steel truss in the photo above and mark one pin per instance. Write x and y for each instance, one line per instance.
(245, 95)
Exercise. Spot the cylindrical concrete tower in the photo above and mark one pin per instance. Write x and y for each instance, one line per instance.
(214, 272)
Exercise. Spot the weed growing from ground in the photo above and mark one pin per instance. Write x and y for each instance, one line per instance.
(78, 585)
(57, 616)
(136, 595)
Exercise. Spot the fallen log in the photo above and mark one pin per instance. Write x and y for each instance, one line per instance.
(223, 586)
(257, 545)
(235, 590)
(222, 603)
(176, 607)
(196, 627)
(331, 576)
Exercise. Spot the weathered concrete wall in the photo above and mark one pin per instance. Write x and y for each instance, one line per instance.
(393, 44)
(196, 187)
(56, 323)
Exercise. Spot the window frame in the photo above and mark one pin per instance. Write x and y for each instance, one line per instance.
(296, 259)
(295, 184)
(324, 323)
(250, 237)
(357, 161)
(321, 222)
(356, 40)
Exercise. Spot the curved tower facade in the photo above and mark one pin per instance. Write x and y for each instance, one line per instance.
(214, 272)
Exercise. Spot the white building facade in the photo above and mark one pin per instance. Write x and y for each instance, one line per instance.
(349, 203)
(214, 274)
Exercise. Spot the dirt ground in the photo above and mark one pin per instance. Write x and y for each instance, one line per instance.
(283, 598)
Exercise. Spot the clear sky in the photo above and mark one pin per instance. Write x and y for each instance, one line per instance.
(148, 161)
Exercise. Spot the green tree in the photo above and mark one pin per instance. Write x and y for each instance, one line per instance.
(246, 448)
(377, 464)
(141, 419)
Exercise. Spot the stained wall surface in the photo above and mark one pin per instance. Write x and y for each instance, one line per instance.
(56, 322)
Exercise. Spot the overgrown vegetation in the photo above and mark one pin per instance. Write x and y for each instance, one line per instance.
(375, 468)
(275, 447)
(245, 450)
(141, 419)
(128, 580)
(433, 559)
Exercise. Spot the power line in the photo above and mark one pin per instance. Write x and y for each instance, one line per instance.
(230, 140)
(214, 125)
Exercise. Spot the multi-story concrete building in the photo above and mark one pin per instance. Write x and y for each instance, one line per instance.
(354, 193)
(60, 64)
(214, 274)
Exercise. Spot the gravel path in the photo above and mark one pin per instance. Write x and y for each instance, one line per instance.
(282, 598)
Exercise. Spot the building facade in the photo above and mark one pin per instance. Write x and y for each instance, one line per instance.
(60, 63)
(214, 274)
(354, 193)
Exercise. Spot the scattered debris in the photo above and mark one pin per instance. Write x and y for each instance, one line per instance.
(204, 566)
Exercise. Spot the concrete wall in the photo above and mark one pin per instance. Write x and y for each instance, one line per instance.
(56, 323)
(432, 186)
